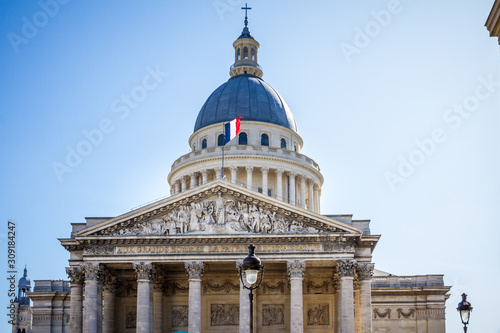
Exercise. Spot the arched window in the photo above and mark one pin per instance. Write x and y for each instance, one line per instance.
(242, 139)
(220, 140)
(283, 143)
(294, 147)
(253, 54)
(245, 52)
(264, 140)
(239, 54)
(204, 144)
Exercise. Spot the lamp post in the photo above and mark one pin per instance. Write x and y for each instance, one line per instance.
(250, 267)
(464, 308)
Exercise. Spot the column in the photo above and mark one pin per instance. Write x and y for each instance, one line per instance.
(296, 269)
(249, 176)
(316, 198)
(90, 323)
(99, 304)
(204, 176)
(234, 172)
(244, 304)
(365, 273)
(357, 318)
(218, 172)
(76, 276)
(110, 287)
(291, 194)
(279, 184)
(177, 187)
(345, 269)
(194, 271)
(338, 313)
(265, 172)
(192, 183)
(143, 271)
(158, 289)
(183, 183)
(302, 191)
(310, 206)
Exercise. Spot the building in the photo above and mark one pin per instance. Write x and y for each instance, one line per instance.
(493, 22)
(23, 315)
(171, 266)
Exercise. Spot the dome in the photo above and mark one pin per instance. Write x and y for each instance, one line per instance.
(24, 282)
(246, 96)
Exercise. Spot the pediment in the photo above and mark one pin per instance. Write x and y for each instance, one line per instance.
(217, 208)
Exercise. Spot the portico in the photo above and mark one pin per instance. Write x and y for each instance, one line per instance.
(158, 283)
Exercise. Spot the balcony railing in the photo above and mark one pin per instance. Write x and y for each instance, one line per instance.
(245, 150)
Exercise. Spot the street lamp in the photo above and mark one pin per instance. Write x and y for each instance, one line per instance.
(250, 267)
(464, 308)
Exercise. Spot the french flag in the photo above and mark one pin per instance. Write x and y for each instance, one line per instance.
(231, 129)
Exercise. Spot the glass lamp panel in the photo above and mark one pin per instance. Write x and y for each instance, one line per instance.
(465, 315)
(251, 275)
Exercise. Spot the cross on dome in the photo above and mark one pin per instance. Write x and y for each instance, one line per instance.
(246, 8)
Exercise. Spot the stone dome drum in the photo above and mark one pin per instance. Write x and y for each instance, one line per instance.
(246, 96)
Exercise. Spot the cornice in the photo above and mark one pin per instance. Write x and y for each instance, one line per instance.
(228, 156)
(493, 21)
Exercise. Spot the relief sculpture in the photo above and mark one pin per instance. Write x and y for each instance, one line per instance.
(130, 317)
(273, 314)
(180, 316)
(224, 315)
(318, 315)
(219, 215)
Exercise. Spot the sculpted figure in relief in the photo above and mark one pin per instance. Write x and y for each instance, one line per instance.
(219, 215)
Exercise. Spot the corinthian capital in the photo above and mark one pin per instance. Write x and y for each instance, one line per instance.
(92, 271)
(365, 271)
(346, 268)
(144, 270)
(296, 268)
(76, 274)
(194, 269)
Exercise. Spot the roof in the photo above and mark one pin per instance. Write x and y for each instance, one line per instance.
(246, 96)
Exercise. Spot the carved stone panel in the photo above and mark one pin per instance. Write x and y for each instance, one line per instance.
(273, 314)
(219, 215)
(226, 287)
(273, 288)
(317, 287)
(224, 315)
(180, 315)
(176, 288)
(130, 316)
(318, 314)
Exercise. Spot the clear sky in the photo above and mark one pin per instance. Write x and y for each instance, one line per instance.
(398, 102)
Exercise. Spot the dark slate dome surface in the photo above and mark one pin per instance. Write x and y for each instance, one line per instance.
(246, 96)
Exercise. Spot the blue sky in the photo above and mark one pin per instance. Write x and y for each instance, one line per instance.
(411, 96)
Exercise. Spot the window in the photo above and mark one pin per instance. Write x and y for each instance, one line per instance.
(220, 140)
(269, 192)
(239, 55)
(283, 143)
(253, 54)
(294, 147)
(264, 140)
(242, 139)
(204, 144)
(245, 52)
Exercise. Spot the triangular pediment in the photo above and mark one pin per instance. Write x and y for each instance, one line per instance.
(217, 208)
